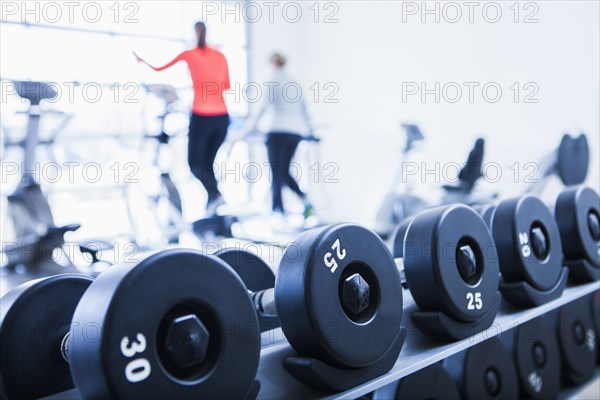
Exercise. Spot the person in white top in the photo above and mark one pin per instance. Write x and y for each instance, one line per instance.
(287, 125)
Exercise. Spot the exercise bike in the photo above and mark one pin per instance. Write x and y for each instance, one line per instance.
(36, 236)
(154, 205)
(398, 205)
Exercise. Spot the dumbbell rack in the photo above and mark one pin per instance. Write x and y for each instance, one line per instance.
(418, 352)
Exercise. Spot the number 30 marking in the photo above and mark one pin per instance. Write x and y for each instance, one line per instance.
(139, 369)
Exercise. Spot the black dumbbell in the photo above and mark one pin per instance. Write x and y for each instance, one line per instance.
(529, 250)
(451, 267)
(485, 371)
(577, 342)
(577, 213)
(149, 312)
(334, 280)
(178, 323)
(537, 358)
(432, 382)
(336, 297)
(256, 275)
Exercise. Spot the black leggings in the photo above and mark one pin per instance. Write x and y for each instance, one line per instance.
(281, 147)
(206, 135)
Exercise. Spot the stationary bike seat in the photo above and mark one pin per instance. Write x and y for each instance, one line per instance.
(34, 91)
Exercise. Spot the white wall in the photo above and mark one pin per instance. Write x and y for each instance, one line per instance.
(370, 52)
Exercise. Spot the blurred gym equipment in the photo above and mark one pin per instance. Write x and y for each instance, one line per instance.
(154, 206)
(400, 204)
(36, 236)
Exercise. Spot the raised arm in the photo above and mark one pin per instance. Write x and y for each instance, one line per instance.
(170, 64)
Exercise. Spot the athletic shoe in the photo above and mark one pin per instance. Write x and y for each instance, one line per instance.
(308, 210)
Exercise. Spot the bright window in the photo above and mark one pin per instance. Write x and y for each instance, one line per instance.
(37, 45)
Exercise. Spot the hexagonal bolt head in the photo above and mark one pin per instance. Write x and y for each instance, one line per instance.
(466, 262)
(539, 355)
(594, 225)
(186, 342)
(355, 293)
(539, 243)
(578, 332)
(492, 381)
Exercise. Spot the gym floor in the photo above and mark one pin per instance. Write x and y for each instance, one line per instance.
(262, 138)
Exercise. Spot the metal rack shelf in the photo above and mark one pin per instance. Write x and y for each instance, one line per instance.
(418, 351)
(589, 390)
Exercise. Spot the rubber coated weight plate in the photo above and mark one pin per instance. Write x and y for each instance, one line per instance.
(432, 383)
(431, 263)
(255, 273)
(537, 357)
(595, 307)
(35, 318)
(487, 213)
(577, 214)
(317, 283)
(179, 324)
(489, 372)
(398, 237)
(596, 311)
(528, 242)
(577, 341)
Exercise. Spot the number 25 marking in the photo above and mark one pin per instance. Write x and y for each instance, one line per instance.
(474, 301)
(329, 259)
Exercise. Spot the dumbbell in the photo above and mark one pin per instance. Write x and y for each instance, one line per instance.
(338, 301)
(577, 213)
(178, 323)
(529, 250)
(534, 347)
(432, 382)
(340, 276)
(577, 342)
(484, 371)
(181, 323)
(451, 267)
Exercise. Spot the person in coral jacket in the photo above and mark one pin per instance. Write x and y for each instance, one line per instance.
(209, 118)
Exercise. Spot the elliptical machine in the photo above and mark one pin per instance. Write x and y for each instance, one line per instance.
(36, 235)
(155, 208)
